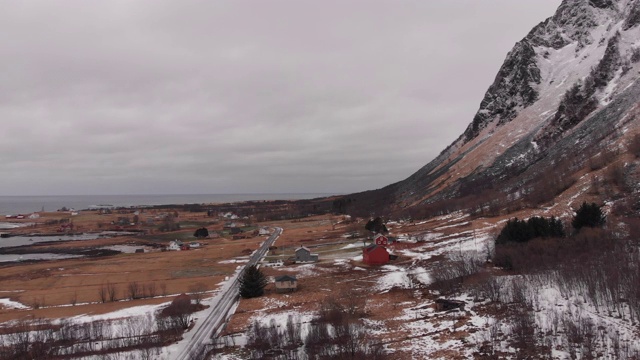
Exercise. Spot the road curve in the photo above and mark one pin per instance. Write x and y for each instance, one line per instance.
(207, 328)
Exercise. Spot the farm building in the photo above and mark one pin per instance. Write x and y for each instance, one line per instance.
(286, 283)
(381, 240)
(375, 255)
(303, 254)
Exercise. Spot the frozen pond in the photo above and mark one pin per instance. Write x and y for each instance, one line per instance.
(127, 249)
(10, 225)
(28, 240)
(43, 256)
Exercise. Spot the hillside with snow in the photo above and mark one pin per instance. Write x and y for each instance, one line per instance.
(567, 90)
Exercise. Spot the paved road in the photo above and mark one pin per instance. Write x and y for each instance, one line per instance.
(207, 328)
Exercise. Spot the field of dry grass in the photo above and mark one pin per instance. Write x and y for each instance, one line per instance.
(51, 288)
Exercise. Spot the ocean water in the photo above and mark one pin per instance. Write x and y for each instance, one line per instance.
(28, 204)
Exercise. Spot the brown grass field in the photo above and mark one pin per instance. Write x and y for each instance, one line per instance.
(50, 288)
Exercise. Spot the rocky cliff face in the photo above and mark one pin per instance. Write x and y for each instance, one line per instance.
(569, 70)
(518, 82)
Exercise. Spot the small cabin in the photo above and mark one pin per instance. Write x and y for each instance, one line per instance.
(303, 254)
(446, 305)
(286, 283)
(375, 255)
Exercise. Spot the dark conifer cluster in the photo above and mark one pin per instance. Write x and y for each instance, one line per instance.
(520, 231)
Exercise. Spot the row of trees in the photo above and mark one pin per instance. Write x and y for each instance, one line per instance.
(521, 231)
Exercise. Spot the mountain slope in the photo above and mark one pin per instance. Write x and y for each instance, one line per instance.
(566, 94)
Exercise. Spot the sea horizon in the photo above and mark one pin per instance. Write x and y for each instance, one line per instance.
(23, 204)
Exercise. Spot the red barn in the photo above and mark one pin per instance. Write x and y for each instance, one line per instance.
(375, 255)
(381, 240)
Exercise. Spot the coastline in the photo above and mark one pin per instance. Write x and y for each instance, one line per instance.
(10, 205)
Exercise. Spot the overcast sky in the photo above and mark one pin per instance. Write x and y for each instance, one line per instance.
(180, 97)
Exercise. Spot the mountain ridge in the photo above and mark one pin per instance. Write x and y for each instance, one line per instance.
(566, 70)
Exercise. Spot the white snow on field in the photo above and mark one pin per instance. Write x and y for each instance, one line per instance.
(395, 277)
(452, 225)
(412, 253)
(135, 311)
(351, 246)
(238, 260)
(10, 304)
(422, 275)
(306, 270)
(342, 262)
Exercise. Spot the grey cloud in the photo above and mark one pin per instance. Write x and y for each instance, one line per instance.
(241, 96)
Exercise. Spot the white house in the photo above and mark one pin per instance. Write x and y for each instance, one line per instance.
(175, 245)
(264, 231)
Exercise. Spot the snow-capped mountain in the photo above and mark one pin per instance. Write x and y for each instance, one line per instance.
(566, 94)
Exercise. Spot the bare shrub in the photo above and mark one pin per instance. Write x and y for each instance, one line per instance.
(102, 294)
(112, 292)
(452, 273)
(491, 288)
(617, 175)
(179, 312)
(133, 290)
(198, 292)
(149, 290)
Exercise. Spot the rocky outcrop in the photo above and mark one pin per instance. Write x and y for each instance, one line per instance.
(633, 19)
(511, 90)
(515, 85)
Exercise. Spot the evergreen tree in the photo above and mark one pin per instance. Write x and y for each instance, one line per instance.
(536, 227)
(589, 215)
(376, 225)
(252, 282)
(201, 233)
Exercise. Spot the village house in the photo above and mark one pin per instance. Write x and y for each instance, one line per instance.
(264, 231)
(176, 245)
(303, 254)
(375, 255)
(286, 283)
